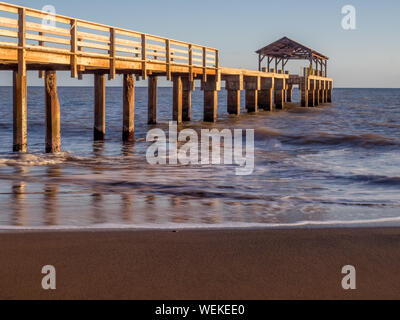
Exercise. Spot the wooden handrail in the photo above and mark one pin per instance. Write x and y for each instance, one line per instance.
(74, 41)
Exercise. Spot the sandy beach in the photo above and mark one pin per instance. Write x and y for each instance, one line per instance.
(202, 264)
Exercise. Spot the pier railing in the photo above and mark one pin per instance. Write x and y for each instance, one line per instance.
(24, 28)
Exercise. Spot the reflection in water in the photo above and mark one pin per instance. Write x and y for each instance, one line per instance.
(180, 210)
(51, 190)
(127, 208)
(99, 214)
(19, 205)
(151, 210)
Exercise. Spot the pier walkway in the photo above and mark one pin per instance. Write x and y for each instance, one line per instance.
(83, 47)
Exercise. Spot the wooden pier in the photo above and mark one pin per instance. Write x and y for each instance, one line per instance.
(84, 47)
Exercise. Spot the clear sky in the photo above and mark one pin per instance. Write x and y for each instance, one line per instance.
(365, 57)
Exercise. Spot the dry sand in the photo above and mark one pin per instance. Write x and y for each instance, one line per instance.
(202, 264)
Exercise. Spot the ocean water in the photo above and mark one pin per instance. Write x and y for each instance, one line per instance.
(338, 163)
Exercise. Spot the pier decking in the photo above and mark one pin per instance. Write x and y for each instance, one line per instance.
(84, 47)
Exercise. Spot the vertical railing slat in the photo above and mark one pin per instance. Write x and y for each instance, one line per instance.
(111, 75)
(144, 57)
(74, 60)
(190, 62)
(41, 43)
(204, 64)
(168, 58)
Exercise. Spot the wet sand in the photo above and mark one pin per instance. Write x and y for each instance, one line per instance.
(202, 264)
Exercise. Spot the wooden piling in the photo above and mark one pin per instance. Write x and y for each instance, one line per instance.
(20, 113)
(304, 94)
(99, 107)
(279, 94)
(53, 134)
(210, 105)
(289, 93)
(329, 95)
(210, 88)
(311, 94)
(128, 130)
(233, 85)
(177, 99)
(152, 99)
(265, 95)
(251, 100)
(233, 102)
(316, 93)
(188, 87)
(252, 85)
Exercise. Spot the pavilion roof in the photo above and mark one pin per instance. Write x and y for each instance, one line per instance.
(286, 48)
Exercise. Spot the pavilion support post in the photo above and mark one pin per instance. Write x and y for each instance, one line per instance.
(252, 86)
(233, 85)
(188, 87)
(279, 93)
(211, 88)
(177, 99)
(99, 107)
(152, 99)
(53, 135)
(128, 130)
(265, 95)
(20, 113)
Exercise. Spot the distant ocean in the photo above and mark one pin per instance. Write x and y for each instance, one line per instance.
(335, 164)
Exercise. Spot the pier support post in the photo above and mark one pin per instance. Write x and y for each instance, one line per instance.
(99, 107)
(53, 135)
(326, 92)
(20, 113)
(177, 99)
(128, 129)
(152, 99)
(311, 93)
(188, 87)
(252, 86)
(265, 95)
(289, 93)
(233, 85)
(210, 88)
(279, 93)
(322, 92)
(251, 100)
(329, 93)
(304, 93)
(316, 92)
